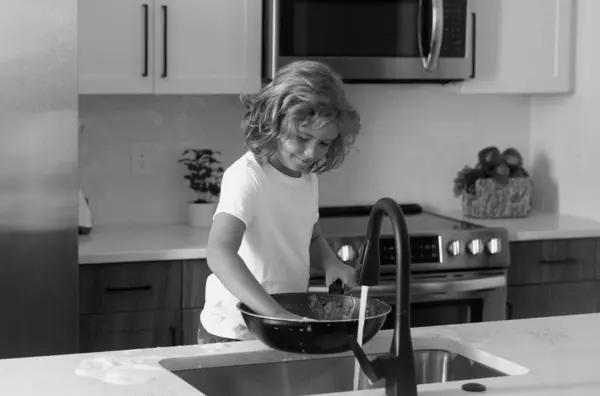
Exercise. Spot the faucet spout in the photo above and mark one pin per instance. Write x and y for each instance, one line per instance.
(397, 367)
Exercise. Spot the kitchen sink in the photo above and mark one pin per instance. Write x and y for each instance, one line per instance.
(436, 362)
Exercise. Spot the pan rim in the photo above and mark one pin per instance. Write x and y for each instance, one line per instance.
(243, 308)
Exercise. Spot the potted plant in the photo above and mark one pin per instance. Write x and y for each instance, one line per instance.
(205, 172)
(498, 186)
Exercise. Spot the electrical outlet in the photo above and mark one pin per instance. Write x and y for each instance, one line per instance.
(141, 158)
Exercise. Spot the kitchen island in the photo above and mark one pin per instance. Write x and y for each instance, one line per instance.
(548, 356)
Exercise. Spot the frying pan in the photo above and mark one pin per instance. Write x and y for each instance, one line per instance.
(334, 320)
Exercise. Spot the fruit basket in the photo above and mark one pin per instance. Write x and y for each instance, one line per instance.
(497, 187)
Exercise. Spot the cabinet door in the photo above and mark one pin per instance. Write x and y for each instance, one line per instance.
(115, 46)
(212, 46)
(553, 299)
(195, 273)
(548, 261)
(129, 330)
(122, 287)
(523, 46)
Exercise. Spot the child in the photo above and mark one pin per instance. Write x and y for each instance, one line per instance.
(265, 233)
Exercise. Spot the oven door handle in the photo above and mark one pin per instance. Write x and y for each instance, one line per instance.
(458, 286)
(429, 287)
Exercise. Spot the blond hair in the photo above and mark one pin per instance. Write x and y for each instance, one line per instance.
(302, 93)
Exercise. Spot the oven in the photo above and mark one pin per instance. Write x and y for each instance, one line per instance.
(373, 40)
(444, 298)
(458, 269)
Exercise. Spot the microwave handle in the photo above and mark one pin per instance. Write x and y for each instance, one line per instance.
(430, 62)
(271, 33)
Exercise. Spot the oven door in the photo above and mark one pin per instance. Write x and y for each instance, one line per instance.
(366, 40)
(445, 298)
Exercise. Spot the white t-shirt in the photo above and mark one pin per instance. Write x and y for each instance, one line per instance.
(279, 212)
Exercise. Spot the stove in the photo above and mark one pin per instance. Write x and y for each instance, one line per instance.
(437, 242)
(458, 269)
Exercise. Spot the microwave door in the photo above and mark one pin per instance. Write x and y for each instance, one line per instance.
(396, 40)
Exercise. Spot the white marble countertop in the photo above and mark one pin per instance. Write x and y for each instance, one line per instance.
(540, 226)
(180, 242)
(556, 356)
(143, 242)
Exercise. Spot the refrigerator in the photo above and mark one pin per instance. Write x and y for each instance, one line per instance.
(38, 178)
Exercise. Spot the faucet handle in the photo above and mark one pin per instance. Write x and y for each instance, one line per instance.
(373, 369)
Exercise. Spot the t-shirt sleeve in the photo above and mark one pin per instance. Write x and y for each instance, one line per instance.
(239, 194)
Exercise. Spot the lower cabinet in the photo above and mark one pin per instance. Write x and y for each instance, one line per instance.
(157, 304)
(554, 278)
(141, 305)
(130, 330)
(537, 301)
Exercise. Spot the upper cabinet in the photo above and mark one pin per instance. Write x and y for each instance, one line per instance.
(523, 47)
(169, 46)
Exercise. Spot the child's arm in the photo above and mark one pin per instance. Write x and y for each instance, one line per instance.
(321, 255)
(224, 261)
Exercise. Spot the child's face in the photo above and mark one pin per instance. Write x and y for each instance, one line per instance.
(307, 146)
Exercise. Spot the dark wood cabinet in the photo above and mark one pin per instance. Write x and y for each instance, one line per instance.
(141, 304)
(554, 277)
(130, 330)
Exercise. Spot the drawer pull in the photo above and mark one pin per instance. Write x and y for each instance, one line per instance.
(126, 289)
(568, 260)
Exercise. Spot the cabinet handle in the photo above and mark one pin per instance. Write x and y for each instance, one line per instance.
(173, 335)
(129, 288)
(165, 42)
(568, 260)
(473, 44)
(146, 43)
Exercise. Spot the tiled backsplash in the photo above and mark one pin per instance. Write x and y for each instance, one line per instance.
(414, 140)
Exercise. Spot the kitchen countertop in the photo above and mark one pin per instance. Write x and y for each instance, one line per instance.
(556, 356)
(540, 226)
(155, 242)
(142, 242)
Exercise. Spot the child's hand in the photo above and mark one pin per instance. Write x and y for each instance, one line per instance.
(337, 270)
(288, 315)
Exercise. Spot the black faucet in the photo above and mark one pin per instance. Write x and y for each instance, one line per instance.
(398, 366)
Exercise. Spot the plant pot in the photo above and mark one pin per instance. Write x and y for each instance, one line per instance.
(492, 200)
(199, 215)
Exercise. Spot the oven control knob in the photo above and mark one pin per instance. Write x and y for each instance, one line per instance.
(475, 247)
(454, 248)
(346, 253)
(494, 246)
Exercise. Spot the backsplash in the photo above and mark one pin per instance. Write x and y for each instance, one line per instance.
(413, 141)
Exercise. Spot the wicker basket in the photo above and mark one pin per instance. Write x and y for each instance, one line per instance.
(495, 200)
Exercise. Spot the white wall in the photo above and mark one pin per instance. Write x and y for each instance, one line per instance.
(414, 140)
(565, 131)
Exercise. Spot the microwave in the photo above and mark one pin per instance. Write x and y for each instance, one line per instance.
(370, 41)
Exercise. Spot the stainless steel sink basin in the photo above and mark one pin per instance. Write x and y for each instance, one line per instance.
(323, 375)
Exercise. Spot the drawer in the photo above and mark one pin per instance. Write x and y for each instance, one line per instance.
(564, 260)
(195, 273)
(123, 287)
(553, 299)
(129, 330)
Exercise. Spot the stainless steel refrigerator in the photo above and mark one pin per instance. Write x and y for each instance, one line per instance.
(38, 178)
